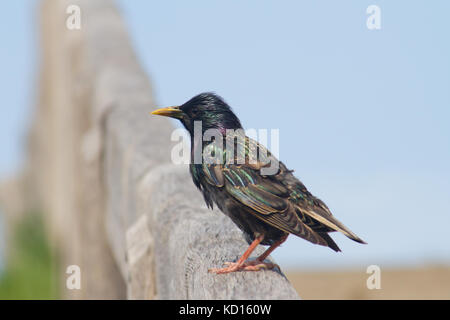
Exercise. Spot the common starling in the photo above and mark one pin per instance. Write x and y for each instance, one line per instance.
(266, 207)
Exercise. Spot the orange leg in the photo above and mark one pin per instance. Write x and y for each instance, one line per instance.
(259, 263)
(243, 265)
(271, 248)
(236, 266)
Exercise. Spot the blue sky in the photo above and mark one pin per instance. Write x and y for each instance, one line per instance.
(363, 114)
(18, 20)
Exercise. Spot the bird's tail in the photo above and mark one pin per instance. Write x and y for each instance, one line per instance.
(334, 224)
(329, 241)
(347, 232)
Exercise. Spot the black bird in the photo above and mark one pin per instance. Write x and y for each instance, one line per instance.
(266, 207)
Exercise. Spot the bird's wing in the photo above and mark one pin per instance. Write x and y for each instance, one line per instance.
(263, 196)
(280, 199)
(313, 211)
(266, 199)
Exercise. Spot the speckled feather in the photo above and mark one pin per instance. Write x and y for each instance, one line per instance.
(258, 203)
(279, 201)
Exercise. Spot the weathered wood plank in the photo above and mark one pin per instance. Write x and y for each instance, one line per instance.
(189, 239)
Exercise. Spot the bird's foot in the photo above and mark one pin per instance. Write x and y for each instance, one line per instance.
(253, 265)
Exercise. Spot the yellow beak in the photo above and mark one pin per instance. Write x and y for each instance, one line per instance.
(172, 112)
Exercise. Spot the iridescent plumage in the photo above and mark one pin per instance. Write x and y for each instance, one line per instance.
(267, 207)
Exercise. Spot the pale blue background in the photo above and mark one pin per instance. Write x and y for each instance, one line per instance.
(363, 115)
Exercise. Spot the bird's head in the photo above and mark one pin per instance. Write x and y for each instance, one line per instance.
(209, 108)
